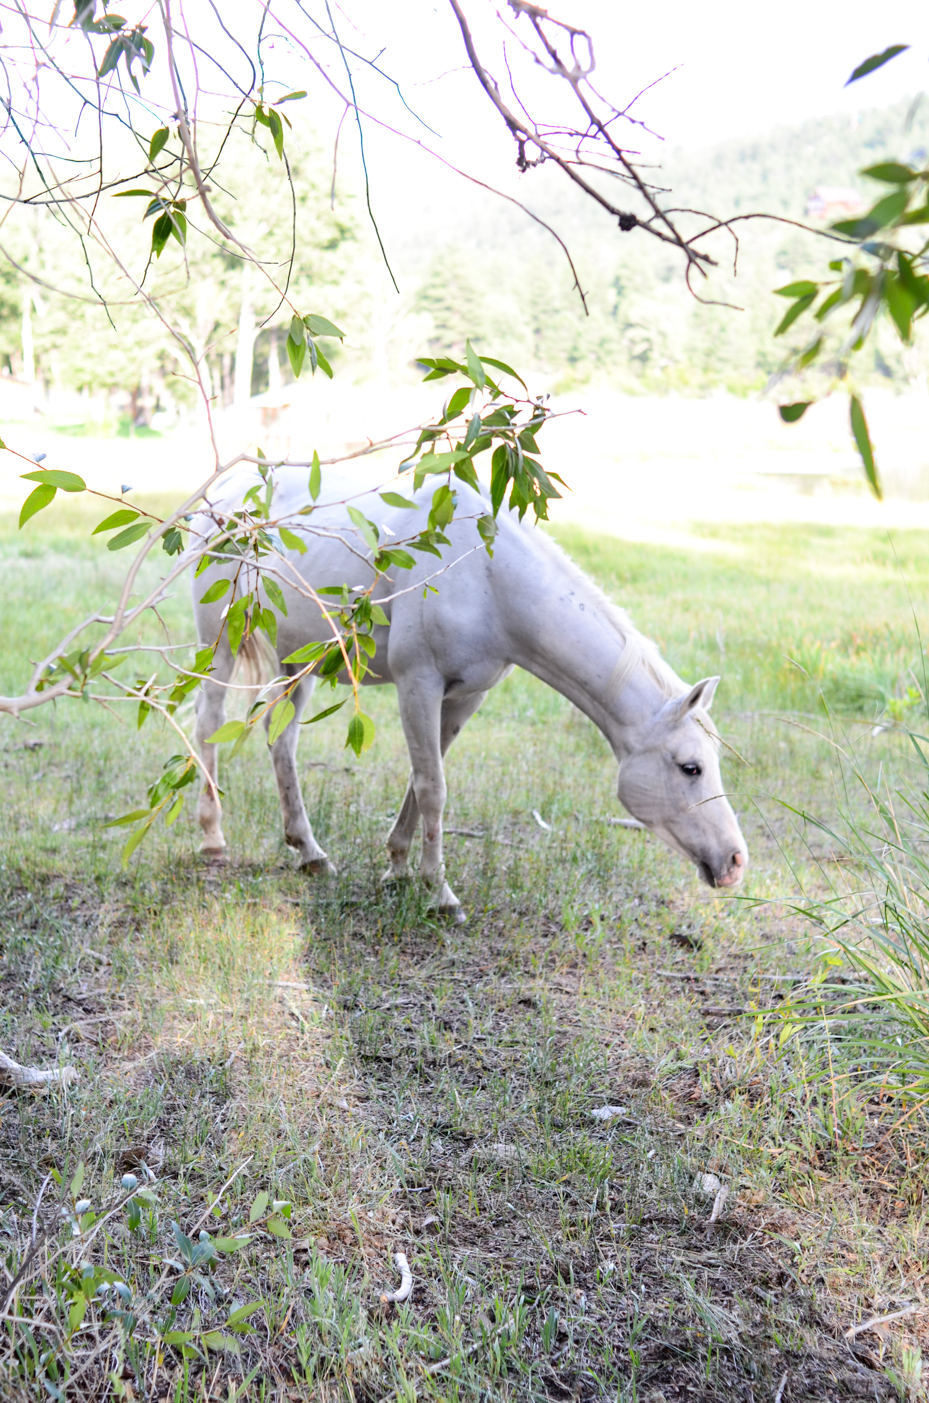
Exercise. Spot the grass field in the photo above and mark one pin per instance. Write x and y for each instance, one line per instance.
(255, 1037)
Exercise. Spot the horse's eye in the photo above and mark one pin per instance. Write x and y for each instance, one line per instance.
(691, 770)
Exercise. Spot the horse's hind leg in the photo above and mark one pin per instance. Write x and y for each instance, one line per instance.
(211, 712)
(297, 831)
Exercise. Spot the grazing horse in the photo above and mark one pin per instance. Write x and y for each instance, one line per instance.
(526, 606)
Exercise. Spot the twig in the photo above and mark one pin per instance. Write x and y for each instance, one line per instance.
(233, 1176)
(854, 1330)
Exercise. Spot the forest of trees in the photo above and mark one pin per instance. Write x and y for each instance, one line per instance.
(643, 332)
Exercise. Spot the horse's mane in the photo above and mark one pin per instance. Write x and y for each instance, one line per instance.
(637, 650)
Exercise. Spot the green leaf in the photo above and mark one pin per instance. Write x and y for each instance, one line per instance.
(833, 300)
(457, 403)
(229, 731)
(465, 472)
(291, 540)
(177, 1337)
(231, 1244)
(397, 556)
(790, 413)
(321, 326)
(917, 287)
(863, 440)
(259, 1206)
(128, 818)
(366, 527)
(507, 369)
(174, 811)
(281, 717)
(436, 463)
(315, 477)
(307, 654)
(791, 315)
(275, 594)
(157, 143)
(133, 841)
(487, 528)
(801, 289)
(277, 131)
(216, 591)
(360, 733)
(161, 233)
(901, 304)
(892, 173)
(876, 61)
(216, 1340)
(77, 1183)
(321, 715)
(77, 1312)
(888, 210)
(475, 369)
(53, 477)
(393, 499)
(278, 1227)
(120, 518)
(916, 216)
(242, 1313)
(333, 661)
(379, 617)
(290, 97)
(235, 622)
(35, 502)
(129, 536)
(320, 360)
(296, 352)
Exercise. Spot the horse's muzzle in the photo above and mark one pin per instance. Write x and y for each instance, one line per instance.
(731, 873)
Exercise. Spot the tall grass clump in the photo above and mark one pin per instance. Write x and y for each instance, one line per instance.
(872, 985)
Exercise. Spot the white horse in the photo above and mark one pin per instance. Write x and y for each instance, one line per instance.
(528, 607)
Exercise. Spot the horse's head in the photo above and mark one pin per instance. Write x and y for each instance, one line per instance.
(670, 782)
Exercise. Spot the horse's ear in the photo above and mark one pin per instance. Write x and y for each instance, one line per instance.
(699, 695)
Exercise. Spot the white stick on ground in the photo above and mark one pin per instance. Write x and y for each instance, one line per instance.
(719, 1204)
(405, 1289)
(879, 1320)
(12, 1074)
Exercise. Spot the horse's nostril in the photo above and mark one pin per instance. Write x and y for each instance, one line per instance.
(738, 860)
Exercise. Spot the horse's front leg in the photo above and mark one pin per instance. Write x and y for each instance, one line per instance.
(421, 714)
(455, 712)
(297, 831)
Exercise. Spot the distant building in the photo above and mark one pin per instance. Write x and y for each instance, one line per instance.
(833, 202)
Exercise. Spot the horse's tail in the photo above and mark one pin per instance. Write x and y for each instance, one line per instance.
(256, 661)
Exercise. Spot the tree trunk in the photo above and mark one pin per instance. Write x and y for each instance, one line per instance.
(274, 363)
(27, 339)
(245, 344)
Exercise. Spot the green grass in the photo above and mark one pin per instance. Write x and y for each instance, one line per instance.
(405, 1086)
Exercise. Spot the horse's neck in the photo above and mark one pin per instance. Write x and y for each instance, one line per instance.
(562, 634)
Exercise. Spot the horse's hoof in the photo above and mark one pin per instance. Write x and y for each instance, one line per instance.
(319, 867)
(452, 915)
(393, 877)
(214, 857)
